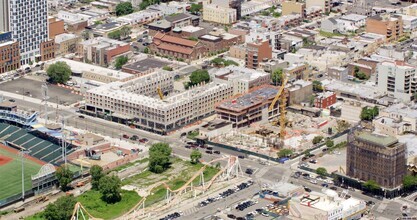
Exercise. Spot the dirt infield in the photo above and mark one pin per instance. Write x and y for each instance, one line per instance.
(15, 151)
(4, 160)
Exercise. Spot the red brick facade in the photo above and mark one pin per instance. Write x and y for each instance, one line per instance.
(47, 50)
(9, 57)
(325, 100)
(55, 27)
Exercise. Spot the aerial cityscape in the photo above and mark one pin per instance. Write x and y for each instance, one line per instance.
(208, 109)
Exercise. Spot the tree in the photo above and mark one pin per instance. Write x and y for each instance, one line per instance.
(195, 156)
(265, 13)
(342, 125)
(371, 185)
(120, 61)
(60, 209)
(59, 72)
(317, 139)
(125, 31)
(285, 153)
(317, 86)
(361, 76)
(159, 157)
(329, 143)
(195, 8)
(64, 176)
(124, 8)
(321, 171)
(98, 22)
(96, 173)
(277, 77)
(109, 186)
(193, 38)
(368, 114)
(167, 68)
(199, 76)
(409, 182)
(114, 35)
(146, 50)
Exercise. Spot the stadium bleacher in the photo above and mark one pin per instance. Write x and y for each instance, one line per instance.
(42, 149)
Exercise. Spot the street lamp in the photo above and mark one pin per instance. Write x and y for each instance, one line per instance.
(22, 154)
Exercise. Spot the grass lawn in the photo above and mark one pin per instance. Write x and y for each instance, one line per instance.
(192, 135)
(91, 200)
(328, 34)
(144, 160)
(11, 174)
(37, 216)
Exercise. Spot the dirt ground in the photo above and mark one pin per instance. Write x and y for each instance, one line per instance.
(4, 160)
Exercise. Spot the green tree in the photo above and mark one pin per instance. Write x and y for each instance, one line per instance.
(371, 185)
(317, 139)
(98, 22)
(125, 31)
(195, 8)
(59, 72)
(64, 176)
(96, 173)
(317, 86)
(193, 38)
(409, 182)
(321, 171)
(124, 8)
(329, 143)
(285, 152)
(60, 209)
(114, 35)
(265, 13)
(199, 76)
(195, 156)
(159, 154)
(146, 50)
(167, 68)
(276, 14)
(109, 186)
(342, 125)
(368, 114)
(277, 77)
(120, 61)
(361, 76)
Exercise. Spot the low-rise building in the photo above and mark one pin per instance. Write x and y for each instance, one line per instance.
(66, 43)
(219, 14)
(142, 17)
(181, 20)
(293, 7)
(9, 53)
(391, 26)
(403, 116)
(324, 100)
(169, 8)
(300, 91)
(325, 5)
(219, 43)
(145, 66)
(55, 26)
(47, 49)
(103, 30)
(409, 23)
(91, 16)
(250, 107)
(257, 52)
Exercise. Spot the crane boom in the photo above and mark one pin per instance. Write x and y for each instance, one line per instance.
(282, 105)
(160, 93)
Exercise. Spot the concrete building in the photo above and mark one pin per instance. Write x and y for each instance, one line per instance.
(221, 42)
(219, 14)
(250, 107)
(56, 26)
(101, 51)
(293, 7)
(179, 48)
(92, 72)
(88, 16)
(163, 26)
(103, 30)
(397, 79)
(182, 20)
(376, 157)
(397, 119)
(324, 100)
(170, 7)
(144, 66)
(66, 43)
(128, 103)
(257, 52)
(300, 91)
(410, 10)
(391, 26)
(27, 20)
(323, 4)
(142, 17)
(409, 23)
(242, 79)
(9, 53)
(327, 205)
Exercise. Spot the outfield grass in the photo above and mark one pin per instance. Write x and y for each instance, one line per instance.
(11, 174)
(91, 200)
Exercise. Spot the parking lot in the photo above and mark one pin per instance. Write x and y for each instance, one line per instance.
(32, 88)
(332, 162)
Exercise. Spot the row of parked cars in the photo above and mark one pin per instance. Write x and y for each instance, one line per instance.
(226, 193)
(136, 138)
(172, 216)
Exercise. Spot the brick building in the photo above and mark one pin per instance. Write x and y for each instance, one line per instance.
(376, 157)
(391, 26)
(9, 53)
(257, 52)
(101, 51)
(293, 7)
(56, 26)
(47, 50)
(325, 99)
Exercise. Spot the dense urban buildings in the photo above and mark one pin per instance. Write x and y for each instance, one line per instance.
(376, 157)
(9, 53)
(391, 26)
(28, 22)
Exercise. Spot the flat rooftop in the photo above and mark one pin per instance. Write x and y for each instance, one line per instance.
(146, 64)
(378, 139)
(250, 99)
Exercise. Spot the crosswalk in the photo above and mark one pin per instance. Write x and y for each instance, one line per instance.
(190, 211)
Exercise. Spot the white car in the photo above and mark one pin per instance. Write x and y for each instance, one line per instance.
(313, 181)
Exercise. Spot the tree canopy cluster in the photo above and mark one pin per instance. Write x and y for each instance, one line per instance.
(410, 182)
(321, 171)
(59, 72)
(159, 157)
(371, 185)
(120, 61)
(368, 114)
(146, 3)
(60, 209)
(222, 62)
(285, 152)
(196, 8)
(120, 34)
(64, 176)
(108, 186)
(317, 86)
(277, 77)
(124, 8)
(195, 156)
(198, 77)
(317, 139)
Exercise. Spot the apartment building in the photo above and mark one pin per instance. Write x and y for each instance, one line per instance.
(391, 26)
(127, 102)
(66, 43)
(251, 107)
(293, 7)
(47, 49)
(219, 14)
(56, 26)
(323, 4)
(397, 119)
(397, 79)
(9, 53)
(243, 79)
(176, 47)
(325, 100)
(27, 20)
(101, 51)
(376, 157)
(257, 52)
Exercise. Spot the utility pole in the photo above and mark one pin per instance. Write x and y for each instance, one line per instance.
(22, 154)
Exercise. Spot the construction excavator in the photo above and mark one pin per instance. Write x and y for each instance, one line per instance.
(283, 102)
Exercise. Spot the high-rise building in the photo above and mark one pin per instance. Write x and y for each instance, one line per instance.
(376, 157)
(28, 22)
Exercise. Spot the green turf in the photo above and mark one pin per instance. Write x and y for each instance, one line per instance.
(37, 216)
(91, 200)
(11, 175)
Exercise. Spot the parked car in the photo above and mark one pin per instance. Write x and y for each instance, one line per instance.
(209, 151)
(216, 152)
(241, 157)
(126, 136)
(249, 171)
